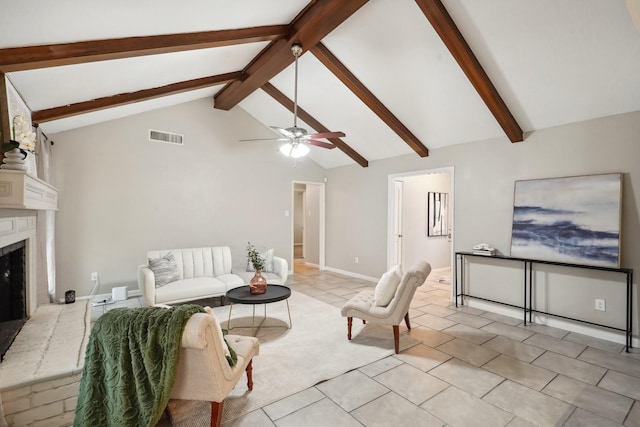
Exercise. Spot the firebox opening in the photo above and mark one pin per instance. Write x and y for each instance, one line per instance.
(13, 293)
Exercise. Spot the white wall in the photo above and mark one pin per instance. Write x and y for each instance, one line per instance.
(121, 195)
(416, 245)
(485, 173)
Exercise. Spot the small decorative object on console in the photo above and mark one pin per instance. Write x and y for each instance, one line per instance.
(483, 249)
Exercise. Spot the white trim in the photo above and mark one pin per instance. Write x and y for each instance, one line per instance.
(321, 220)
(351, 274)
(554, 322)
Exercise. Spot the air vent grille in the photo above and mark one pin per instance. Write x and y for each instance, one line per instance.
(168, 137)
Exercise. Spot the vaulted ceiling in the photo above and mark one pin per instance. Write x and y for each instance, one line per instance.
(397, 76)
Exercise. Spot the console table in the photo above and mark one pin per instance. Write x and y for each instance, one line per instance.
(527, 288)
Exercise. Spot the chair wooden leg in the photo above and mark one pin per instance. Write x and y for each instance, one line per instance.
(396, 338)
(364, 322)
(216, 413)
(250, 375)
(406, 320)
(349, 322)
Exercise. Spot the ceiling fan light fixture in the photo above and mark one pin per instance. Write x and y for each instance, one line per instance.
(294, 150)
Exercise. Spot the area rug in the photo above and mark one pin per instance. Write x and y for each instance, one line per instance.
(314, 350)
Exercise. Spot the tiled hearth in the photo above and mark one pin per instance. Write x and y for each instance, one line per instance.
(40, 374)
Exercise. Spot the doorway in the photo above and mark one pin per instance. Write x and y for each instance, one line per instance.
(407, 235)
(307, 225)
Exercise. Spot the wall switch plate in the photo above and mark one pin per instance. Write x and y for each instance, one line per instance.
(94, 276)
(599, 305)
(357, 260)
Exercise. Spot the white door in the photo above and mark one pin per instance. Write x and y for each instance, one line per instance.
(397, 223)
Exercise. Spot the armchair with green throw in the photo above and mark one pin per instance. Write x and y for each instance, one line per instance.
(139, 358)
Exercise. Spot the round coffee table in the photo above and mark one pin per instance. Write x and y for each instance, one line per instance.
(241, 295)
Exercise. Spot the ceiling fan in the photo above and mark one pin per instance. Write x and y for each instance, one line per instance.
(298, 138)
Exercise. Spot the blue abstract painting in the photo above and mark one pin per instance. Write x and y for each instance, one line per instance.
(574, 220)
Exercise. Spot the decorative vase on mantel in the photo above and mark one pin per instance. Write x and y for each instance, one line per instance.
(14, 160)
(258, 284)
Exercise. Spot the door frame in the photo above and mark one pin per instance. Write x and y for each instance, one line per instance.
(390, 209)
(321, 223)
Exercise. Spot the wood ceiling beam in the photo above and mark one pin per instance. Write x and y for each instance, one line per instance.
(315, 124)
(316, 21)
(334, 65)
(31, 57)
(131, 97)
(442, 22)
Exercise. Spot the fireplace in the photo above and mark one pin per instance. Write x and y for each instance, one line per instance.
(13, 293)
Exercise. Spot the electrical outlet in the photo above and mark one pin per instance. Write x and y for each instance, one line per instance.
(357, 260)
(94, 276)
(599, 305)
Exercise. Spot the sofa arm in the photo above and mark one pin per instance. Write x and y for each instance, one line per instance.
(147, 284)
(281, 268)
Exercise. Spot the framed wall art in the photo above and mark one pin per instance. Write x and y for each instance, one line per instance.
(437, 211)
(574, 219)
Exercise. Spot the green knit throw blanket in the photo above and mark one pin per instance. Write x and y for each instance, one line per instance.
(130, 366)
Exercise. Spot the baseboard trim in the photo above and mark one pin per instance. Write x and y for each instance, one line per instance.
(352, 274)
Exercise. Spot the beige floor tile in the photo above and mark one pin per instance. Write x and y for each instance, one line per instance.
(429, 337)
(516, 349)
(468, 310)
(594, 399)
(461, 409)
(321, 413)
(511, 332)
(507, 320)
(520, 372)
(468, 352)
(330, 298)
(520, 422)
(545, 330)
(582, 418)
(570, 367)
(623, 384)
(433, 322)
(437, 310)
(411, 383)
(627, 365)
(555, 344)
(352, 390)
(469, 320)
(467, 333)
(380, 366)
(423, 357)
(293, 403)
(393, 410)
(633, 418)
(467, 377)
(533, 406)
(594, 342)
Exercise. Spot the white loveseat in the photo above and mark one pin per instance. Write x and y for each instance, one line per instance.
(203, 273)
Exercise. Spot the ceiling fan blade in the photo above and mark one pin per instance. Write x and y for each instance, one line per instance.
(282, 131)
(264, 139)
(327, 135)
(320, 144)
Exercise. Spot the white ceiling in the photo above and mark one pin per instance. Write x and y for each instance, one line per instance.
(553, 62)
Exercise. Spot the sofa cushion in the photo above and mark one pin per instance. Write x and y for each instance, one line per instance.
(164, 269)
(387, 285)
(231, 280)
(272, 278)
(190, 289)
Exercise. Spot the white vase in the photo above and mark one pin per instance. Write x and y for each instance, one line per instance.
(14, 160)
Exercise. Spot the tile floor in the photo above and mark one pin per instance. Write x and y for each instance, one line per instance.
(473, 368)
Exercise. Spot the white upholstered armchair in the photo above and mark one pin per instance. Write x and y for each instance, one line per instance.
(203, 371)
(364, 306)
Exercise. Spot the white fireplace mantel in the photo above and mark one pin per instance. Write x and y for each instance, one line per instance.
(21, 191)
